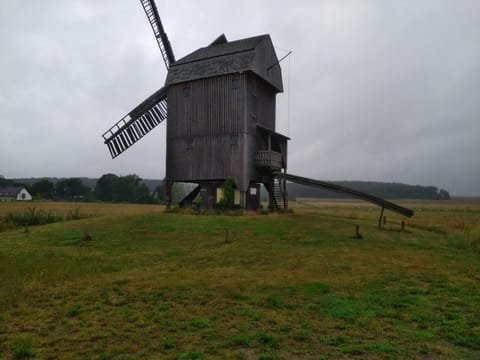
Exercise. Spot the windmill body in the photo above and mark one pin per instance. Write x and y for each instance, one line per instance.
(221, 118)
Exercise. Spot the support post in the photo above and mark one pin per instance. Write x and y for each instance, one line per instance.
(168, 194)
(269, 188)
(380, 218)
(243, 200)
(285, 195)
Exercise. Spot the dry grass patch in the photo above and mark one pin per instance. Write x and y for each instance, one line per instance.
(156, 285)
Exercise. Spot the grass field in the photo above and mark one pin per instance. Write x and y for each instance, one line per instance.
(166, 285)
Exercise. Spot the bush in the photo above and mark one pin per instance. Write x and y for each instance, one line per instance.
(228, 195)
(22, 349)
(31, 216)
(73, 214)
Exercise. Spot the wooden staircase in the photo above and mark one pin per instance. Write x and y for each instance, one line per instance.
(279, 194)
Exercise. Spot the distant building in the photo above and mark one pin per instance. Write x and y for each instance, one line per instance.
(13, 193)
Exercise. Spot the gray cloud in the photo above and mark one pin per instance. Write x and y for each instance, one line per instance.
(377, 90)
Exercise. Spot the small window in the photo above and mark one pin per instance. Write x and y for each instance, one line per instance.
(236, 84)
(234, 139)
(187, 91)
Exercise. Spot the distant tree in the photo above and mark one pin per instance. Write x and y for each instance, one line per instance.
(143, 195)
(125, 187)
(43, 189)
(6, 182)
(443, 195)
(60, 189)
(104, 187)
(159, 192)
(70, 189)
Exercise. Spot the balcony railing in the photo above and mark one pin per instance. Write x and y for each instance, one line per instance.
(268, 159)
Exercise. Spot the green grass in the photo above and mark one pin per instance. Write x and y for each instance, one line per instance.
(295, 285)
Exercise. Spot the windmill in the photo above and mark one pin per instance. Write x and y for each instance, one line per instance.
(221, 118)
(220, 104)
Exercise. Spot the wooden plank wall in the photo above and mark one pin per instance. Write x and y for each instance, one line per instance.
(206, 131)
(211, 133)
(266, 100)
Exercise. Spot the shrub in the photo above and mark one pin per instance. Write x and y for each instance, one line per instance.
(31, 216)
(228, 195)
(22, 349)
(73, 214)
(241, 340)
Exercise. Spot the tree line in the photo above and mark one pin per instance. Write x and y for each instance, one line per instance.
(109, 187)
(380, 189)
(133, 189)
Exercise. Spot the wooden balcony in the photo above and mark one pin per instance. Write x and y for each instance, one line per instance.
(268, 159)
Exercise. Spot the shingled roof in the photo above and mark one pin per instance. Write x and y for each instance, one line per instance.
(255, 54)
(10, 191)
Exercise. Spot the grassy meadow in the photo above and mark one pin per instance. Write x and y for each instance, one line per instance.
(152, 285)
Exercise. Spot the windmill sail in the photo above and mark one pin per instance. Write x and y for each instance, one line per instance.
(136, 124)
(157, 27)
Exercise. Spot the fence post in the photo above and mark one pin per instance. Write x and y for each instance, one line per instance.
(380, 218)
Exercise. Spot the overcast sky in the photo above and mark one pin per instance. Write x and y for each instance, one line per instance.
(374, 90)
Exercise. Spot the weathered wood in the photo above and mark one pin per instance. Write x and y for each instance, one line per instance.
(212, 129)
(385, 204)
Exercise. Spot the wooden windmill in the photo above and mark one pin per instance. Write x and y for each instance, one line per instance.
(221, 118)
(220, 104)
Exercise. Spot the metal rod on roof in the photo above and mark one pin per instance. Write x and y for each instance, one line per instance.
(278, 61)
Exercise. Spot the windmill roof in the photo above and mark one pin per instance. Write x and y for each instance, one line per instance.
(223, 57)
(225, 48)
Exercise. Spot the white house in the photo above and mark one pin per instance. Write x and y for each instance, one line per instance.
(14, 193)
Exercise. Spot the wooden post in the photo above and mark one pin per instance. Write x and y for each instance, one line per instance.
(271, 205)
(227, 236)
(403, 225)
(86, 235)
(357, 232)
(168, 193)
(380, 219)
